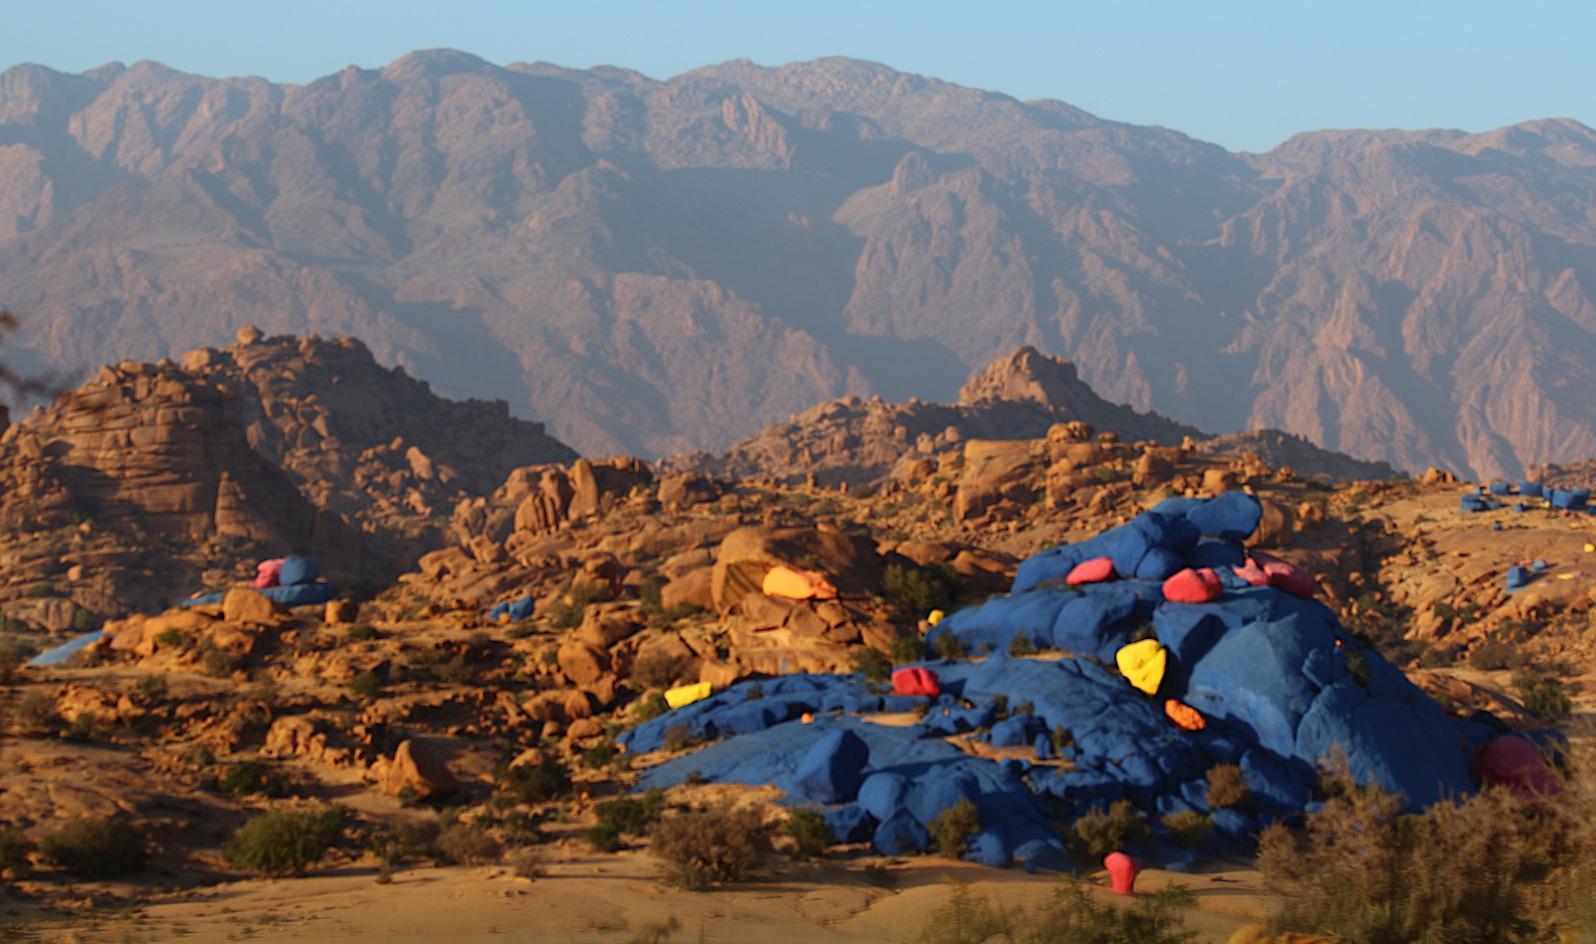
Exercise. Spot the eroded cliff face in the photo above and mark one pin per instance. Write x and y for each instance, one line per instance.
(277, 444)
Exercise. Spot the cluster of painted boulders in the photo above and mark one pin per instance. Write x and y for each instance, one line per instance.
(1188, 652)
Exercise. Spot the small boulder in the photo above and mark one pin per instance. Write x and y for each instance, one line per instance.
(242, 605)
(418, 766)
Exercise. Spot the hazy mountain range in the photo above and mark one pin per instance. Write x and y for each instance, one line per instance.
(658, 266)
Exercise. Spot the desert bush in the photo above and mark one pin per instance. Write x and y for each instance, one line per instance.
(527, 863)
(602, 838)
(871, 664)
(678, 737)
(605, 754)
(1544, 696)
(1021, 645)
(907, 649)
(921, 589)
(1188, 829)
(657, 669)
(360, 632)
(14, 848)
(1101, 831)
(218, 663)
(536, 783)
(1494, 655)
(1227, 786)
(1074, 915)
(1365, 871)
(407, 841)
(14, 654)
(366, 686)
(94, 848)
(468, 844)
(810, 834)
(650, 706)
(151, 688)
(953, 828)
(631, 816)
(252, 778)
(36, 711)
(707, 847)
(284, 842)
(1070, 915)
(967, 918)
(948, 646)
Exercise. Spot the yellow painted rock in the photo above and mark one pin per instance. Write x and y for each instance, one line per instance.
(1143, 663)
(935, 617)
(686, 694)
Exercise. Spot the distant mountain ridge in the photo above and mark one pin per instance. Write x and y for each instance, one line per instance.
(655, 267)
(1018, 396)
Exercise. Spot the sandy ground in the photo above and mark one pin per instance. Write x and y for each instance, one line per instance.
(599, 899)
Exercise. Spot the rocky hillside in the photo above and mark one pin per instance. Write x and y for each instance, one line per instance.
(663, 266)
(129, 489)
(1019, 396)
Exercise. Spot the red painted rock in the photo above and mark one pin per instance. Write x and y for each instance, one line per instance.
(1193, 586)
(1252, 572)
(1122, 872)
(1095, 570)
(916, 681)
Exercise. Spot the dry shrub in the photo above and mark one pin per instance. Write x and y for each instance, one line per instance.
(1100, 832)
(1364, 870)
(809, 832)
(1227, 786)
(1071, 915)
(1188, 829)
(954, 827)
(464, 844)
(284, 842)
(95, 848)
(708, 847)
(657, 669)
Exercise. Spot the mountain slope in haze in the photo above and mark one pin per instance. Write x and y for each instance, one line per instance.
(663, 266)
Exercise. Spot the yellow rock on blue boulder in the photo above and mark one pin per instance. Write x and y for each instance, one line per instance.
(686, 694)
(1143, 664)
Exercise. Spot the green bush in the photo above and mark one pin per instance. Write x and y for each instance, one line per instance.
(36, 711)
(93, 848)
(658, 669)
(631, 815)
(707, 847)
(871, 664)
(468, 844)
(366, 686)
(536, 783)
(651, 705)
(1494, 655)
(949, 647)
(407, 841)
(151, 688)
(14, 653)
(1071, 916)
(907, 649)
(1544, 696)
(921, 589)
(602, 838)
(954, 827)
(810, 834)
(1021, 645)
(283, 842)
(252, 778)
(1100, 832)
(360, 632)
(1227, 786)
(14, 848)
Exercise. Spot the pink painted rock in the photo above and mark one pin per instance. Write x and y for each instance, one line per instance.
(1122, 872)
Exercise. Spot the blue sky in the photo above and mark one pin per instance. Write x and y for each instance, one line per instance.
(1243, 74)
